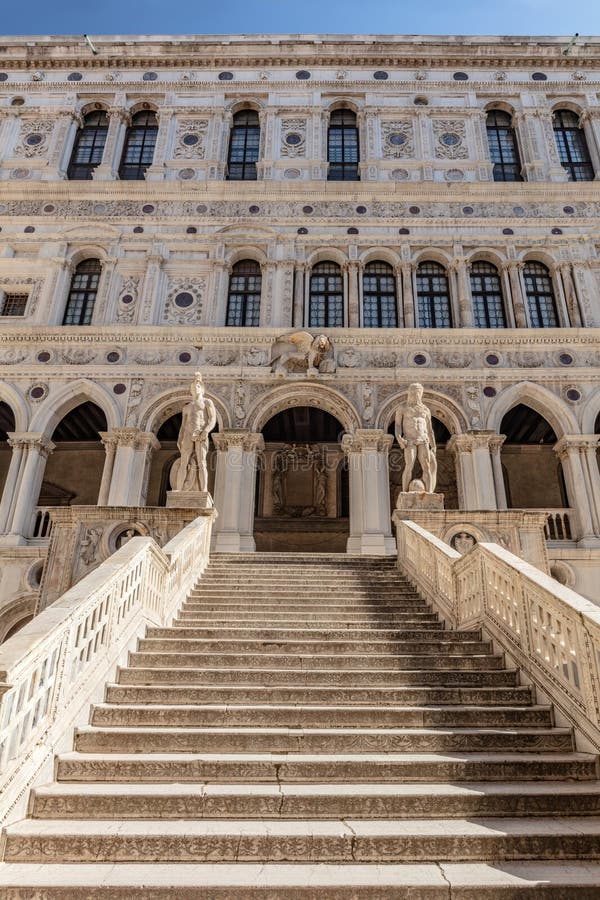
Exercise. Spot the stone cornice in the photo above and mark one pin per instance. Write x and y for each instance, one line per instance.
(399, 51)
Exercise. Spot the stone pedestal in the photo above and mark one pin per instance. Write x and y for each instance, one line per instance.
(408, 500)
(189, 500)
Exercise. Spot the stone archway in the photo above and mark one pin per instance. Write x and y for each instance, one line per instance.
(299, 503)
(532, 471)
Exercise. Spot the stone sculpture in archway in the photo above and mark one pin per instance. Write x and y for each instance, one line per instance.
(414, 433)
(190, 472)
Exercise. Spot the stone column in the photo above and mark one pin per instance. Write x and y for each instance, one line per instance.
(507, 296)
(408, 300)
(37, 447)
(354, 313)
(156, 171)
(568, 295)
(517, 293)
(298, 312)
(150, 293)
(108, 170)
(465, 306)
(571, 449)
(589, 461)
(63, 138)
(109, 441)
(235, 488)
(460, 446)
(10, 493)
(496, 442)
(590, 122)
(370, 518)
(133, 452)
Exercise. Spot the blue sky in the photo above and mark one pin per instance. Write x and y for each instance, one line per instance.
(293, 16)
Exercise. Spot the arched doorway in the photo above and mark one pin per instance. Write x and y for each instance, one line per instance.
(446, 472)
(162, 462)
(533, 475)
(74, 469)
(7, 423)
(302, 489)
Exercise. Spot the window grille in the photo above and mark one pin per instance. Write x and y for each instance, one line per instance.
(82, 293)
(138, 150)
(14, 304)
(486, 291)
(342, 146)
(433, 296)
(326, 309)
(504, 150)
(243, 301)
(244, 146)
(88, 147)
(379, 296)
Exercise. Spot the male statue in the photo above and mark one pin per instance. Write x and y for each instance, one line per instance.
(414, 433)
(199, 419)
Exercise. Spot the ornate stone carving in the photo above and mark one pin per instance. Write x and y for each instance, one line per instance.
(450, 139)
(293, 138)
(184, 301)
(190, 142)
(301, 352)
(398, 140)
(294, 463)
(128, 297)
(35, 139)
(414, 433)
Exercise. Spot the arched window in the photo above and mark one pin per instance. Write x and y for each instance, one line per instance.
(342, 146)
(433, 296)
(243, 301)
(88, 147)
(244, 146)
(379, 296)
(541, 303)
(326, 296)
(572, 146)
(138, 150)
(82, 293)
(504, 150)
(486, 291)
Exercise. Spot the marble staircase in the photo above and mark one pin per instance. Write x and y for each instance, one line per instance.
(309, 728)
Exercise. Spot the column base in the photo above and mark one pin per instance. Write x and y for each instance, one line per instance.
(233, 542)
(189, 500)
(372, 545)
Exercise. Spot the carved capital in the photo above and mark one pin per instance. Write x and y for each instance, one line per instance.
(571, 444)
(34, 440)
(240, 439)
(367, 439)
(133, 437)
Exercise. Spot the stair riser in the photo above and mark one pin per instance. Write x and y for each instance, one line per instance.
(292, 620)
(191, 645)
(316, 634)
(273, 806)
(289, 661)
(349, 697)
(157, 741)
(275, 604)
(302, 718)
(323, 678)
(344, 847)
(363, 771)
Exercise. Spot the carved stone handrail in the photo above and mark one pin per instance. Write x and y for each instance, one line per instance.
(57, 664)
(549, 631)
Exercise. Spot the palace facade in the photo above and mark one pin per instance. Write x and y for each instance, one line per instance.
(172, 204)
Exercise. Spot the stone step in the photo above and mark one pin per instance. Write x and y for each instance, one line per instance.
(315, 633)
(185, 716)
(178, 694)
(333, 768)
(238, 675)
(266, 660)
(90, 739)
(301, 582)
(530, 880)
(323, 801)
(272, 840)
(229, 645)
(289, 620)
(278, 603)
